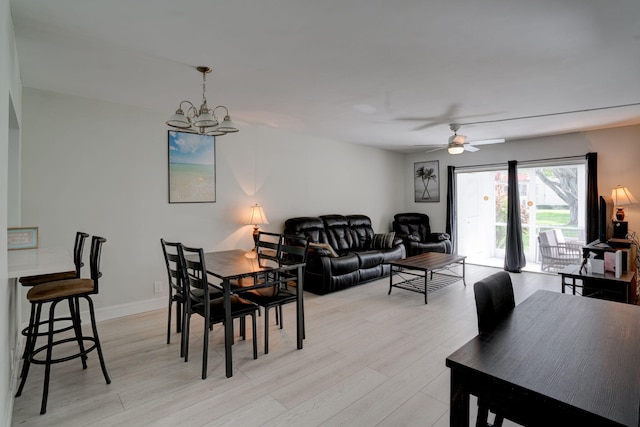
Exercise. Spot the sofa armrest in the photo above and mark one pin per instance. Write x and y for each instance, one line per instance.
(439, 237)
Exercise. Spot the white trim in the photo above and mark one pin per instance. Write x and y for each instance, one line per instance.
(128, 309)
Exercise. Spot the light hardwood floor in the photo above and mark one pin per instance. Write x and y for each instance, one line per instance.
(369, 359)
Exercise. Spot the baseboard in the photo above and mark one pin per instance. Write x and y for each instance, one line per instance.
(128, 309)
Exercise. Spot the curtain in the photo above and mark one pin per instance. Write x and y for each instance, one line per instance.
(452, 211)
(592, 197)
(514, 259)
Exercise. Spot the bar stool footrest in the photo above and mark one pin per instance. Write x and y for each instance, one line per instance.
(35, 361)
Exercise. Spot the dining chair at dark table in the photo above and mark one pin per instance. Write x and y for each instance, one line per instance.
(494, 301)
(284, 251)
(199, 300)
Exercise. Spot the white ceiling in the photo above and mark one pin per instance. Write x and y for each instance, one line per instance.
(350, 70)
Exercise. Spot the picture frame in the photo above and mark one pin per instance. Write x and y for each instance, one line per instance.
(22, 238)
(191, 167)
(426, 180)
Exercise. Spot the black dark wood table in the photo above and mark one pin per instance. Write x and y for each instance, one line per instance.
(558, 359)
(236, 264)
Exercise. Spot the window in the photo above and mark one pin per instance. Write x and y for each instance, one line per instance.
(552, 196)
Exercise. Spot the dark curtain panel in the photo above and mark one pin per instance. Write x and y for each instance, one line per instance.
(514, 259)
(452, 211)
(592, 197)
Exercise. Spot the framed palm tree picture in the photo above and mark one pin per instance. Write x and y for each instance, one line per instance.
(426, 177)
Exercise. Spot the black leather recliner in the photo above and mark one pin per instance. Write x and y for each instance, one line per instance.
(415, 232)
(349, 256)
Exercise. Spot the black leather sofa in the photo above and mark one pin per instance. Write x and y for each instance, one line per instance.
(343, 251)
(415, 232)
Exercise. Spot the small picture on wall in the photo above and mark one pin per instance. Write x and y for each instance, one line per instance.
(426, 177)
(192, 168)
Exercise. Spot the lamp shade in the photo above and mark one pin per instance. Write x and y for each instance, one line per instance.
(205, 119)
(455, 148)
(227, 126)
(179, 120)
(622, 196)
(257, 216)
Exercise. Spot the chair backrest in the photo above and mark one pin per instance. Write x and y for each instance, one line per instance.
(172, 261)
(94, 260)
(268, 247)
(414, 224)
(547, 238)
(294, 250)
(194, 276)
(494, 300)
(78, 248)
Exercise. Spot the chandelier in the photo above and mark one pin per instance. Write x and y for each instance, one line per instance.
(203, 120)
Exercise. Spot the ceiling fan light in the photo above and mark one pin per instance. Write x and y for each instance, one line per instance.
(455, 148)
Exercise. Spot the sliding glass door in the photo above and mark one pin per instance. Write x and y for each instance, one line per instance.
(552, 196)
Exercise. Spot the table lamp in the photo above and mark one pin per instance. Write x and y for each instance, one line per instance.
(256, 218)
(622, 196)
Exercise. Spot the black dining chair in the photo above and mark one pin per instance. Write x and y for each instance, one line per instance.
(199, 300)
(29, 281)
(55, 292)
(494, 302)
(276, 293)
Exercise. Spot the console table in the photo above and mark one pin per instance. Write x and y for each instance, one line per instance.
(606, 282)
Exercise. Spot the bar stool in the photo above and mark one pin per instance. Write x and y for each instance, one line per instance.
(36, 280)
(70, 290)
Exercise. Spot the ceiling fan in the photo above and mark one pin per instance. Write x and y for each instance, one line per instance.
(458, 143)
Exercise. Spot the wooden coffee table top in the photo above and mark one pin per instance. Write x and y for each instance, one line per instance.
(428, 261)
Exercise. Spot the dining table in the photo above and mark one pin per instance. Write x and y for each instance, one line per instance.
(557, 359)
(236, 264)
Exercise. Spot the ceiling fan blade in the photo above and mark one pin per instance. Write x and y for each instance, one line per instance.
(487, 141)
(470, 148)
(432, 147)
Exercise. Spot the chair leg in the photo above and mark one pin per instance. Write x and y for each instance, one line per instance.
(185, 336)
(34, 330)
(255, 335)
(178, 317)
(266, 330)
(30, 335)
(169, 321)
(281, 316)
(97, 340)
(205, 349)
(47, 370)
(74, 310)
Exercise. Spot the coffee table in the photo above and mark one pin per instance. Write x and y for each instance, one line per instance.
(414, 273)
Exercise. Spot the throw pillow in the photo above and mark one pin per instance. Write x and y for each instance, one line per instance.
(324, 247)
(383, 240)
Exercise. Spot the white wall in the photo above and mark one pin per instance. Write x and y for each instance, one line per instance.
(618, 153)
(10, 116)
(102, 168)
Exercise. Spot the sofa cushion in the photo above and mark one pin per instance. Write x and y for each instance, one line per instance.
(345, 264)
(370, 259)
(362, 230)
(383, 240)
(339, 234)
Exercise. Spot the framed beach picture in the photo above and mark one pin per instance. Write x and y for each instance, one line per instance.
(192, 168)
(426, 181)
